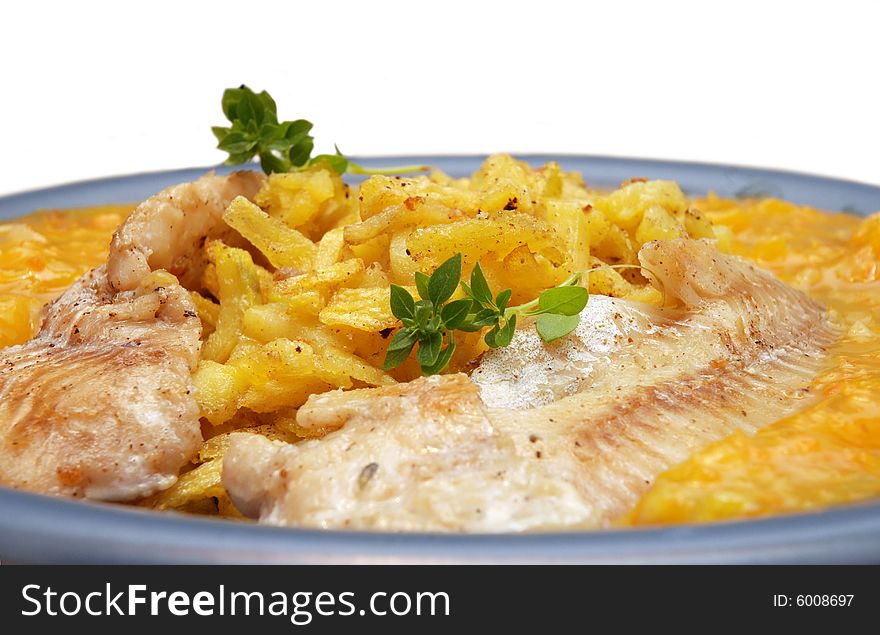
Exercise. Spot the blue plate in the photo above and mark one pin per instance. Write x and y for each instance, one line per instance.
(42, 529)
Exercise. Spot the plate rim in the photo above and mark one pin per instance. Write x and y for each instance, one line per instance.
(409, 159)
(739, 173)
(99, 532)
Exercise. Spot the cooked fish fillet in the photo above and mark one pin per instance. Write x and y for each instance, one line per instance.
(568, 434)
(99, 404)
(167, 230)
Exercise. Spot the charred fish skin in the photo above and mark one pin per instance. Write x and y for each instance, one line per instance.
(100, 404)
(624, 401)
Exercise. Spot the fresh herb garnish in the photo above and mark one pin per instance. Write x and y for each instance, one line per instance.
(280, 146)
(566, 300)
(552, 326)
(428, 321)
(432, 319)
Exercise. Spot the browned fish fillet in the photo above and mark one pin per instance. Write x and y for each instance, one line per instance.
(167, 231)
(99, 403)
(548, 436)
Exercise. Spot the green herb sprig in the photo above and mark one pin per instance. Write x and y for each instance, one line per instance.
(432, 319)
(428, 321)
(557, 309)
(280, 146)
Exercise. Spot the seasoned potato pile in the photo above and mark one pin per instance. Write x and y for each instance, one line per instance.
(306, 308)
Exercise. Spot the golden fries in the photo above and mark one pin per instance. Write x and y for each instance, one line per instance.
(299, 197)
(324, 280)
(282, 245)
(474, 238)
(238, 288)
(365, 309)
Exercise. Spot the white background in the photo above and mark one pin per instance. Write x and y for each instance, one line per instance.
(90, 89)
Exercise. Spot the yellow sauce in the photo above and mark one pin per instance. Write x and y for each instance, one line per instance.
(42, 254)
(826, 454)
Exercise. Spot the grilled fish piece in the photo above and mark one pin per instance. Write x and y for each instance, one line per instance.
(99, 404)
(541, 436)
(167, 230)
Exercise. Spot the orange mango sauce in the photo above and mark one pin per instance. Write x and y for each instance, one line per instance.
(829, 452)
(41, 254)
(826, 454)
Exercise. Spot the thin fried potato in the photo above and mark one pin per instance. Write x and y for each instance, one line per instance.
(286, 421)
(238, 289)
(616, 247)
(506, 195)
(324, 280)
(505, 183)
(201, 489)
(218, 390)
(598, 224)
(298, 197)
(272, 394)
(267, 322)
(526, 275)
(414, 212)
(365, 309)
(724, 236)
(336, 362)
(551, 182)
(213, 448)
(697, 224)
(646, 294)
(626, 206)
(403, 268)
(570, 221)
(373, 250)
(381, 192)
(868, 233)
(209, 280)
(275, 322)
(282, 245)
(605, 281)
(657, 224)
(477, 237)
(307, 303)
(280, 373)
(199, 485)
(371, 277)
(209, 312)
(330, 248)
